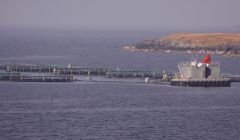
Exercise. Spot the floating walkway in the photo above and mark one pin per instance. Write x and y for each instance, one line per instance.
(56, 69)
(134, 74)
(18, 77)
(74, 70)
(232, 77)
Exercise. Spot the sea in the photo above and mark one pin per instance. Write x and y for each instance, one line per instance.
(110, 110)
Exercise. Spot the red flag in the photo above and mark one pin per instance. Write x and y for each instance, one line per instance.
(207, 59)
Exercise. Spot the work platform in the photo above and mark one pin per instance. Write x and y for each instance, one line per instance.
(200, 74)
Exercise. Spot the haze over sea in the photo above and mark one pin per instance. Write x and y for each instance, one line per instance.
(105, 110)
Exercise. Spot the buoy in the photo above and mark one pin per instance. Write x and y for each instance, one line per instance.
(89, 77)
(69, 66)
(54, 70)
(147, 80)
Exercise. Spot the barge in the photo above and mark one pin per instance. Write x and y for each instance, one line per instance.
(200, 74)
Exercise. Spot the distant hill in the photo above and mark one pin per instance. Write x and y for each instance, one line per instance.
(220, 43)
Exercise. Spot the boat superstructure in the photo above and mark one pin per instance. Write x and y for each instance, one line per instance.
(200, 74)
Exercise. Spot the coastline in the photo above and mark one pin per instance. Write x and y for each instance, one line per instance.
(226, 44)
(132, 48)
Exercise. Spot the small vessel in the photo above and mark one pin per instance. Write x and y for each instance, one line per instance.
(200, 74)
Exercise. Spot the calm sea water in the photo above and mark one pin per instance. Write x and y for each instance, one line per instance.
(110, 110)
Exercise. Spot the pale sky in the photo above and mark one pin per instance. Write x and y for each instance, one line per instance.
(120, 14)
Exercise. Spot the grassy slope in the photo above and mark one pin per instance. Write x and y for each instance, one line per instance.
(210, 39)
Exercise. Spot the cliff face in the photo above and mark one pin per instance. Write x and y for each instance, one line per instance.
(221, 43)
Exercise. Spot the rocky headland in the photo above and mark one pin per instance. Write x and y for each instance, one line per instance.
(218, 43)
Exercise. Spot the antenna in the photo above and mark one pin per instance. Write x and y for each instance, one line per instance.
(196, 52)
(193, 58)
(196, 55)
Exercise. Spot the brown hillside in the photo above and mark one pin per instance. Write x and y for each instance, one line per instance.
(210, 39)
(220, 43)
